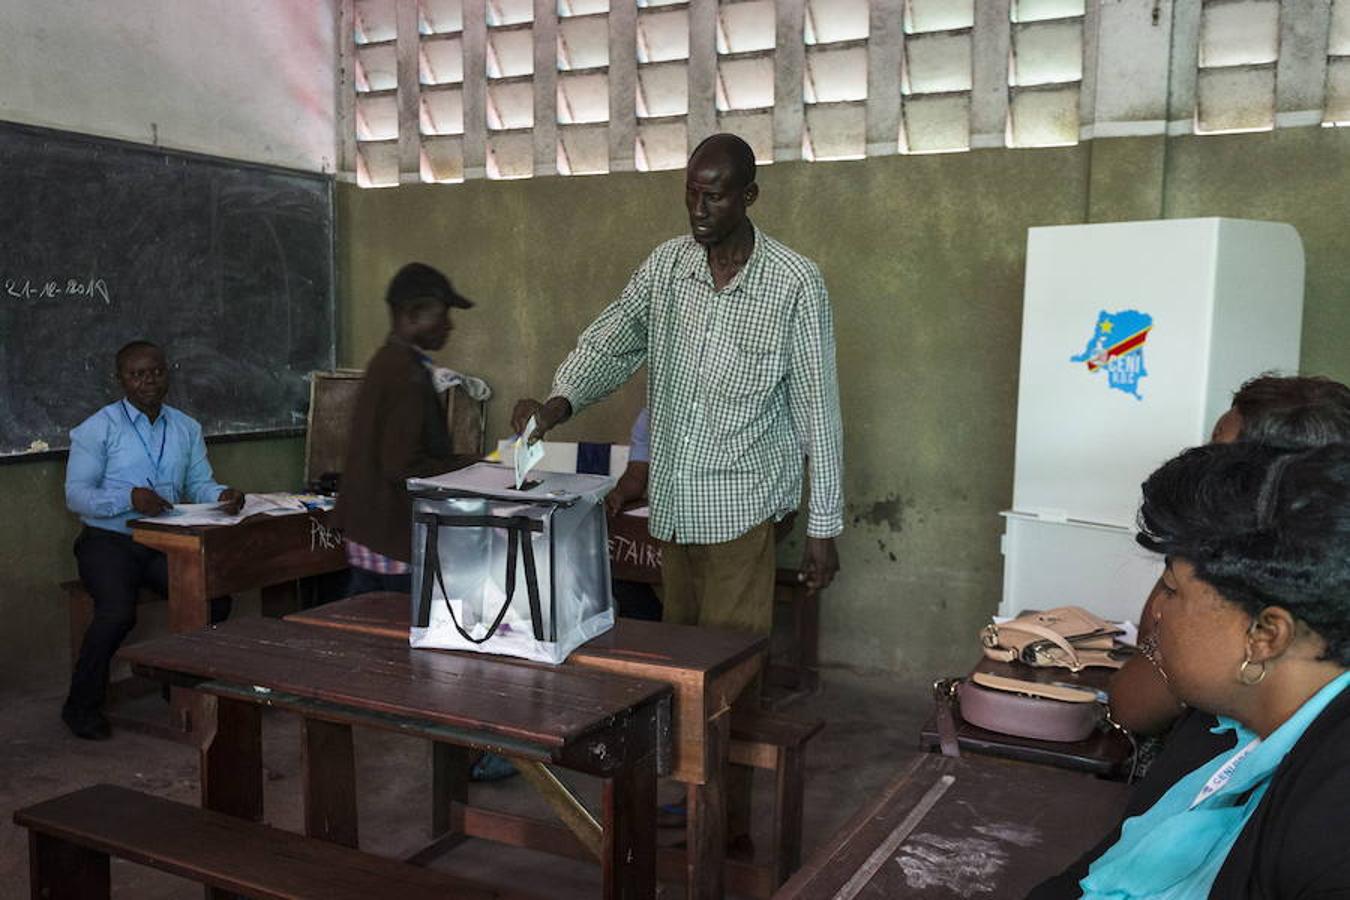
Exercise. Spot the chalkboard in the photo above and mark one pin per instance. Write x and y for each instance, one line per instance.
(227, 266)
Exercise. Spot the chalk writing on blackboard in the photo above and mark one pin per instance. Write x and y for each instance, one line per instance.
(58, 288)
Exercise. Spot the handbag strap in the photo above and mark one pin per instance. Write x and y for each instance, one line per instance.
(1067, 693)
(531, 578)
(1048, 634)
(944, 695)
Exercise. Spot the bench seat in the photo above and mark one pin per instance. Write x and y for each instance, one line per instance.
(71, 838)
(767, 740)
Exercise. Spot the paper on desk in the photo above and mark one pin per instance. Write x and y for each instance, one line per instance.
(527, 455)
(254, 504)
(187, 509)
(277, 503)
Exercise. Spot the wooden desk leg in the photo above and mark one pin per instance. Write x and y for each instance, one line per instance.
(809, 635)
(60, 870)
(232, 776)
(189, 610)
(278, 600)
(787, 818)
(706, 825)
(329, 766)
(449, 789)
(628, 857)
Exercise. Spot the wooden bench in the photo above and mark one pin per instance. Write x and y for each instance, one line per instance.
(777, 743)
(72, 837)
(792, 670)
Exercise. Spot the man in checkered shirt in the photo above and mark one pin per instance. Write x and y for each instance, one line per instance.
(737, 335)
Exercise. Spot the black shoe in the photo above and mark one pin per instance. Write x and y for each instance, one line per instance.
(87, 724)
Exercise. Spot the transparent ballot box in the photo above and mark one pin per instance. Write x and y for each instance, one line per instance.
(517, 572)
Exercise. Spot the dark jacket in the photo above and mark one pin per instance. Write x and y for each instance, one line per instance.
(1294, 845)
(1189, 745)
(398, 431)
(1297, 843)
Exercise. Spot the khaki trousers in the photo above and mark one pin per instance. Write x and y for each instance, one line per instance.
(726, 585)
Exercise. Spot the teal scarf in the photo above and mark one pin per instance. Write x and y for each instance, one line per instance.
(1176, 848)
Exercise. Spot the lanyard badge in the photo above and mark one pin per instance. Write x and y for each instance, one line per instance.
(163, 438)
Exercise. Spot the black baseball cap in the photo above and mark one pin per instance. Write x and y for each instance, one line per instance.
(419, 281)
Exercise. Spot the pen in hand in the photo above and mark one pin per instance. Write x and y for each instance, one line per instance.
(147, 502)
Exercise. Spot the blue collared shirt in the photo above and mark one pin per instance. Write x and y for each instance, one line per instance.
(640, 438)
(118, 449)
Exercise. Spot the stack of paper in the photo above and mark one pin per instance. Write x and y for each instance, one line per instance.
(185, 514)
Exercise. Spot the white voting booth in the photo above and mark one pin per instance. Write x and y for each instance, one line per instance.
(1134, 337)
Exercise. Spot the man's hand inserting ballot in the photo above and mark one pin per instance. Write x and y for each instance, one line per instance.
(546, 415)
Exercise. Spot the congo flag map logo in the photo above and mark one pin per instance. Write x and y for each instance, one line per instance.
(1117, 348)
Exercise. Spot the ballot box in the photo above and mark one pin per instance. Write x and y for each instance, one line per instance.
(517, 571)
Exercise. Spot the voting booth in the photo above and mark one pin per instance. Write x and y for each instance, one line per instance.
(1134, 337)
(521, 572)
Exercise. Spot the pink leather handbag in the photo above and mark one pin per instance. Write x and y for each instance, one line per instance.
(1027, 708)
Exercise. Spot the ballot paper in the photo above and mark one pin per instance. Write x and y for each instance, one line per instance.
(527, 454)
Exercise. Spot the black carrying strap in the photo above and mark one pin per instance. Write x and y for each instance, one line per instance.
(515, 527)
(944, 696)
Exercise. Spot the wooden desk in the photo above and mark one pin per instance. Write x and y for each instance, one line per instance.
(267, 552)
(634, 555)
(950, 829)
(612, 727)
(1104, 753)
(707, 669)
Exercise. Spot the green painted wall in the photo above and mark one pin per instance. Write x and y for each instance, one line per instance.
(923, 257)
(924, 260)
(1300, 176)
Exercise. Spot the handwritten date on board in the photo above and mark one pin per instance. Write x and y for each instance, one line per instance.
(55, 289)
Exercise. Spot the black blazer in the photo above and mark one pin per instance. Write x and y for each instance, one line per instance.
(1297, 842)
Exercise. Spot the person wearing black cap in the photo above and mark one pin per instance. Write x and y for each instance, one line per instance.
(398, 431)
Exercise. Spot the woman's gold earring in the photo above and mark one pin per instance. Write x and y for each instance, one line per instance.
(1244, 675)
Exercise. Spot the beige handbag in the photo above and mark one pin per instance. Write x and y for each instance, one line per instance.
(1069, 636)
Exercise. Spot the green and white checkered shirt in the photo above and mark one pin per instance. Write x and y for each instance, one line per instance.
(741, 386)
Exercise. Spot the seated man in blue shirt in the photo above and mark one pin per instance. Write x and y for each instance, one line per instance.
(133, 458)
